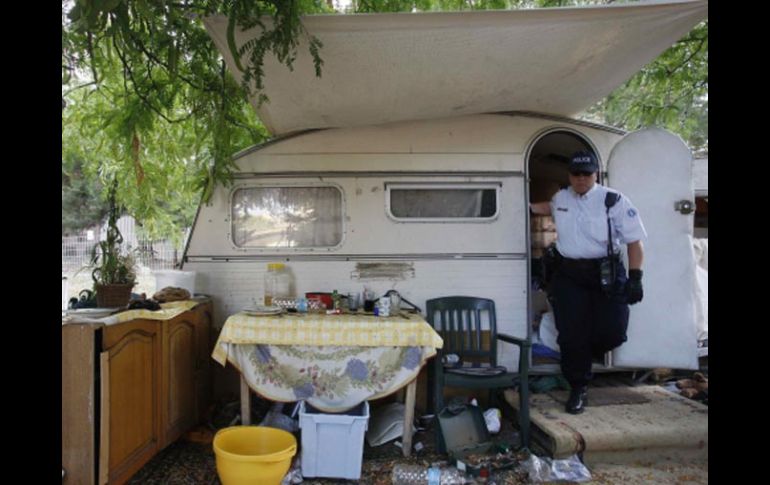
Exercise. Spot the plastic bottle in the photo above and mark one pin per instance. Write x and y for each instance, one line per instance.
(277, 283)
(419, 475)
(302, 305)
(335, 300)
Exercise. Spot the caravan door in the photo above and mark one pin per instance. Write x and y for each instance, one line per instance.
(654, 169)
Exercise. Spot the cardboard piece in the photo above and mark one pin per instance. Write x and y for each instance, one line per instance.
(386, 424)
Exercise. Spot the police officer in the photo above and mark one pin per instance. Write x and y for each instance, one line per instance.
(591, 317)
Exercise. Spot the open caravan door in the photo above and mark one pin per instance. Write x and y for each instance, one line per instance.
(654, 169)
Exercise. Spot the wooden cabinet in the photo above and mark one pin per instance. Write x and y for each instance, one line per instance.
(178, 380)
(130, 378)
(129, 390)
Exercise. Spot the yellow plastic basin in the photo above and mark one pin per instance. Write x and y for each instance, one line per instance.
(253, 454)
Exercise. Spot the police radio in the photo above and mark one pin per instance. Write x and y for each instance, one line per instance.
(607, 273)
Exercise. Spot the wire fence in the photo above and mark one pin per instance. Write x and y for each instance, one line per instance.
(150, 256)
(76, 253)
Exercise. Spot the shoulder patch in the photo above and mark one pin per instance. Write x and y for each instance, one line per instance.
(631, 213)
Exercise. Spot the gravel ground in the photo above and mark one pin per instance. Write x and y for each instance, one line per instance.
(191, 460)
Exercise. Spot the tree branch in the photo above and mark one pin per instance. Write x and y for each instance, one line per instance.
(66, 93)
(688, 59)
(89, 37)
(138, 43)
(233, 121)
(137, 91)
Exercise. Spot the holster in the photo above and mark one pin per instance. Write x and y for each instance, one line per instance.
(550, 264)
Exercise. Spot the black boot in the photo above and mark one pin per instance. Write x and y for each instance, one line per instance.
(577, 400)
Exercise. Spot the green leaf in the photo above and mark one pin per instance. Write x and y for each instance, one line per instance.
(231, 42)
(110, 4)
(75, 13)
(173, 55)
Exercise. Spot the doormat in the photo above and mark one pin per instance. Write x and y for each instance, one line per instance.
(605, 396)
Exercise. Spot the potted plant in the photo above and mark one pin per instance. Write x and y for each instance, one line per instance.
(114, 272)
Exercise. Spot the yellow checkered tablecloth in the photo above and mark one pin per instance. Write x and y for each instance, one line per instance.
(167, 312)
(350, 330)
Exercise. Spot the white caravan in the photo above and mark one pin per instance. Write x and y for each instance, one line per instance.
(410, 164)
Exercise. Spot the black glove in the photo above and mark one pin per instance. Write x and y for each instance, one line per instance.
(634, 292)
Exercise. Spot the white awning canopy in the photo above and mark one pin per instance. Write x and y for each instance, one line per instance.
(380, 68)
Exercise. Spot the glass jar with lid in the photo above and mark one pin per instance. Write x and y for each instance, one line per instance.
(277, 283)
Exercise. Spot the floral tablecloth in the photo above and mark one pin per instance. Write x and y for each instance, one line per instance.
(380, 355)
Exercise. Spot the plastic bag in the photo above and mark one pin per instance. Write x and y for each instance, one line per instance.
(492, 418)
(294, 475)
(548, 333)
(547, 470)
(276, 419)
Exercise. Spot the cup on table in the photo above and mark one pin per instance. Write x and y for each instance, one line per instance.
(353, 299)
(369, 305)
(384, 306)
(395, 302)
(302, 305)
(370, 301)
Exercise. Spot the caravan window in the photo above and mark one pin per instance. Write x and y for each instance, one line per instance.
(437, 201)
(287, 217)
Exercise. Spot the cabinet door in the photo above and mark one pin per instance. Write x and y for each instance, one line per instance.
(178, 389)
(203, 355)
(130, 424)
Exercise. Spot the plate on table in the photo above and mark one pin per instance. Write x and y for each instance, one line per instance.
(263, 311)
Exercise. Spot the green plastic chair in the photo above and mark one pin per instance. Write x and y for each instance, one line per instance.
(458, 319)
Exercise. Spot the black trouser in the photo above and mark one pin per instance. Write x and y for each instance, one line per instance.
(589, 321)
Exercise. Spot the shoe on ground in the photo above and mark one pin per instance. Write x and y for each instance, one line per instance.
(578, 398)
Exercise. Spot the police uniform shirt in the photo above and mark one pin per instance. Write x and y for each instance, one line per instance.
(581, 223)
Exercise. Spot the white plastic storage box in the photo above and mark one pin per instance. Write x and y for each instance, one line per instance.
(333, 444)
(176, 279)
